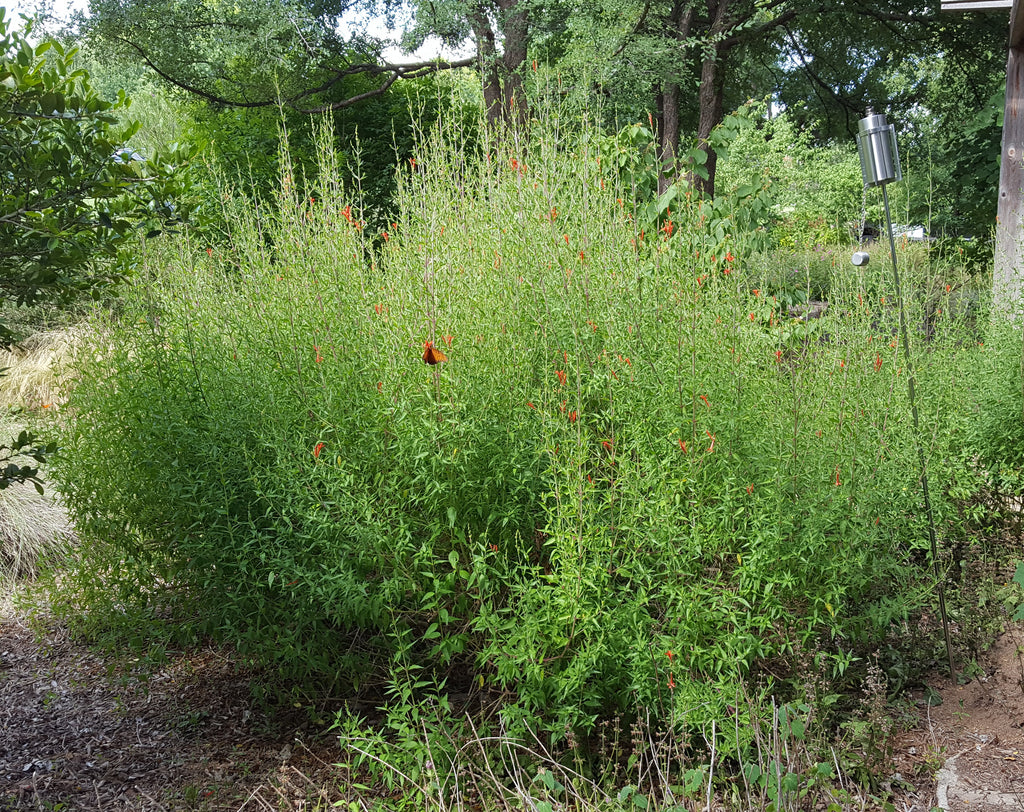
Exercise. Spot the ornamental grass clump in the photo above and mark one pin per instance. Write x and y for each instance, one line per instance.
(523, 442)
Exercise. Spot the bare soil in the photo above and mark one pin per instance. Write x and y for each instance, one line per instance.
(972, 743)
(80, 731)
(112, 733)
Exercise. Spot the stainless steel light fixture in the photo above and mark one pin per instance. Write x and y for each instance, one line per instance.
(880, 166)
(879, 155)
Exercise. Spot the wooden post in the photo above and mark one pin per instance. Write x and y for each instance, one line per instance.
(1008, 271)
(1008, 276)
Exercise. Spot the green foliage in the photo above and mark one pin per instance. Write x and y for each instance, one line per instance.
(624, 488)
(816, 190)
(1018, 578)
(997, 435)
(371, 139)
(71, 193)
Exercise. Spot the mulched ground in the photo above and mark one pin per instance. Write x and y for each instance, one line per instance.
(87, 732)
(84, 732)
(977, 730)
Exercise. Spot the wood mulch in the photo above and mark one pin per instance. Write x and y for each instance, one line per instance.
(80, 731)
(90, 732)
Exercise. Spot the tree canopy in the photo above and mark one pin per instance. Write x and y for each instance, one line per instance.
(684, 63)
(70, 191)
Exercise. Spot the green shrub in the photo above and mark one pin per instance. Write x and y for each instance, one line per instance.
(630, 485)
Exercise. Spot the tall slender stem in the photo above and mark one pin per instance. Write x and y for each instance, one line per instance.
(917, 437)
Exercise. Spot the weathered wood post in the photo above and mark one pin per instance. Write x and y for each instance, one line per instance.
(1009, 256)
(1008, 275)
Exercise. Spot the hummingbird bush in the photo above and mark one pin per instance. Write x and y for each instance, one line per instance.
(524, 441)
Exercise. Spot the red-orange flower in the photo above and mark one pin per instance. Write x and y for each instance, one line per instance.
(561, 376)
(572, 417)
(670, 654)
(448, 339)
(671, 683)
(316, 451)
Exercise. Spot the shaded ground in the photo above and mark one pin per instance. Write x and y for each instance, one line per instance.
(79, 731)
(968, 751)
(79, 734)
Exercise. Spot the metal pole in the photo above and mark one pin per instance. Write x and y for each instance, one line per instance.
(917, 437)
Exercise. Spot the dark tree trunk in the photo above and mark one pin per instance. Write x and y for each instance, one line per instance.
(516, 30)
(487, 56)
(712, 91)
(711, 95)
(668, 103)
(501, 76)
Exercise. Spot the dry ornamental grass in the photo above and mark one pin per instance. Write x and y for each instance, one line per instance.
(31, 524)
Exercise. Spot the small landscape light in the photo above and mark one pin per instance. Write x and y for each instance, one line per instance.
(860, 258)
(880, 165)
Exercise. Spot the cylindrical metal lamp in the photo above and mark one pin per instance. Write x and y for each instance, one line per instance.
(879, 156)
(879, 165)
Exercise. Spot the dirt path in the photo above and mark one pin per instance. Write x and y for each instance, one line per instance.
(80, 733)
(87, 733)
(973, 742)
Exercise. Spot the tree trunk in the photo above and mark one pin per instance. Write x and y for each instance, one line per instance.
(712, 91)
(487, 57)
(516, 31)
(711, 96)
(500, 76)
(668, 106)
